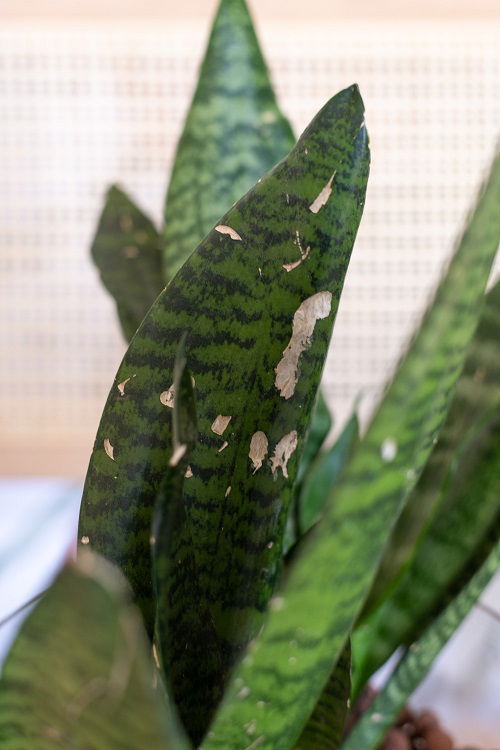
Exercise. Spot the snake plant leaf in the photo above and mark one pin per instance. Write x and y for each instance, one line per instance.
(461, 533)
(325, 474)
(465, 434)
(79, 674)
(370, 730)
(127, 251)
(325, 590)
(180, 606)
(325, 728)
(257, 301)
(321, 423)
(234, 133)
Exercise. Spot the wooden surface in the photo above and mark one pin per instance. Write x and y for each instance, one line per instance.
(292, 9)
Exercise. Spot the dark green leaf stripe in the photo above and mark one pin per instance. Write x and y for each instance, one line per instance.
(325, 728)
(127, 251)
(370, 730)
(79, 676)
(236, 302)
(233, 134)
(466, 431)
(326, 588)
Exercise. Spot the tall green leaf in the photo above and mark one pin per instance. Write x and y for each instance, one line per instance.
(183, 622)
(257, 309)
(233, 134)
(127, 251)
(460, 534)
(465, 434)
(325, 727)
(79, 674)
(320, 425)
(325, 590)
(370, 730)
(325, 474)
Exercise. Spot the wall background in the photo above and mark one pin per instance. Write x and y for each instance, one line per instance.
(85, 103)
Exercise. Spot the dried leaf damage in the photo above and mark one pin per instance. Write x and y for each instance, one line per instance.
(322, 198)
(121, 386)
(219, 424)
(109, 449)
(258, 449)
(312, 309)
(167, 397)
(282, 453)
(223, 229)
(303, 254)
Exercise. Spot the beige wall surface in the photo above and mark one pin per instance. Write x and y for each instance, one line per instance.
(289, 9)
(84, 104)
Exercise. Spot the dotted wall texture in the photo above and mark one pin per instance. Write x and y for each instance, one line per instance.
(84, 106)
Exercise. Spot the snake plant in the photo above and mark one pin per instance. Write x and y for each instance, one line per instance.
(262, 568)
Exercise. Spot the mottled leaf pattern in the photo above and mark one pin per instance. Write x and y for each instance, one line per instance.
(370, 730)
(460, 534)
(233, 134)
(79, 676)
(325, 727)
(183, 623)
(325, 590)
(127, 251)
(236, 304)
(465, 434)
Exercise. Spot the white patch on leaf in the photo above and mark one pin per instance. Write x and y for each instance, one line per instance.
(223, 229)
(188, 473)
(219, 424)
(312, 309)
(168, 396)
(322, 198)
(121, 386)
(178, 453)
(228, 490)
(259, 445)
(109, 449)
(223, 446)
(282, 453)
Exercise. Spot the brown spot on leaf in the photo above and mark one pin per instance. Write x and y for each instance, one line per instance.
(219, 424)
(258, 449)
(312, 309)
(223, 229)
(167, 397)
(121, 386)
(282, 453)
(109, 449)
(322, 198)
